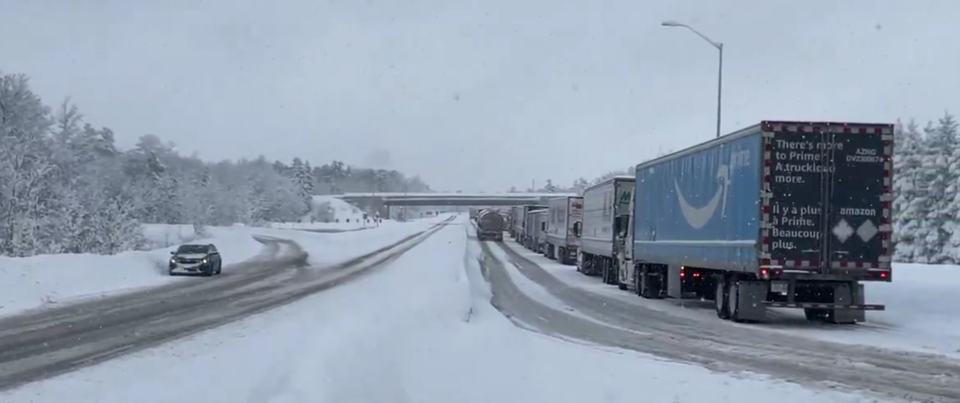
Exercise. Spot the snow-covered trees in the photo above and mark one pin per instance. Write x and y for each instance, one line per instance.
(337, 177)
(926, 187)
(65, 187)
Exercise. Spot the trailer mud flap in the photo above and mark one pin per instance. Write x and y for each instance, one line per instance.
(674, 284)
(747, 301)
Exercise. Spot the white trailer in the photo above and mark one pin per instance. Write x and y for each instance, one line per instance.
(540, 230)
(563, 214)
(516, 221)
(525, 229)
(599, 244)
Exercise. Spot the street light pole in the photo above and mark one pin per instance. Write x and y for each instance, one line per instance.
(719, 86)
(719, 47)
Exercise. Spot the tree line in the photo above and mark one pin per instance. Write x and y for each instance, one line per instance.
(65, 186)
(926, 190)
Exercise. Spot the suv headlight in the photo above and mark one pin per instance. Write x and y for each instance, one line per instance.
(173, 260)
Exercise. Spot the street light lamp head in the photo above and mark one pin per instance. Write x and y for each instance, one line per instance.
(672, 24)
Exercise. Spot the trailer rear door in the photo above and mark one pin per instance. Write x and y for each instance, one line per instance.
(827, 195)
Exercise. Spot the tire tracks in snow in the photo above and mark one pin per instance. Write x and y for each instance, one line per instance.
(42, 344)
(719, 345)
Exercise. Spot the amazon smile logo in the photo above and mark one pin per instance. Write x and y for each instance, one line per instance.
(698, 217)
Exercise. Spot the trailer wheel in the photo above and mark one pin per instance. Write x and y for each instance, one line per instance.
(648, 285)
(722, 299)
(585, 264)
(734, 300)
(607, 272)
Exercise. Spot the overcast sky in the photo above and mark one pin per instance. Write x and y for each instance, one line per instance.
(477, 95)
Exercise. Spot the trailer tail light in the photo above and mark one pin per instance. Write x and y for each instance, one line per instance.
(764, 274)
(879, 275)
(683, 271)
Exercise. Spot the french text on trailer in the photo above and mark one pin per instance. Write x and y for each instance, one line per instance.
(791, 223)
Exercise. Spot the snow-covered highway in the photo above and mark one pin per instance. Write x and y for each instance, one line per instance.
(47, 342)
(536, 298)
(423, 328)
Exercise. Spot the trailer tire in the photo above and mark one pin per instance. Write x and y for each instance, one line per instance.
(722, 299)
(647, 288)
(583, 265)
(733, 298)
(645, 292)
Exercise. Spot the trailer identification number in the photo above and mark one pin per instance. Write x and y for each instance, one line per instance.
(868, 155)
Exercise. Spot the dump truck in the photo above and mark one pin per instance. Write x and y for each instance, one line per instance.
(490, 225)
(777, 215)
(600, 245)
(563, 214)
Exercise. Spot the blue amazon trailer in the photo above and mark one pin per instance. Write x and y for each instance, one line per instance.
(780, 214)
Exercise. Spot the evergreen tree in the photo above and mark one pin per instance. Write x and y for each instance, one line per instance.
(910, 204)
(65, 187)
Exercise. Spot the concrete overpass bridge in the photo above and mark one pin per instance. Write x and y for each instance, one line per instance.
(383, 201)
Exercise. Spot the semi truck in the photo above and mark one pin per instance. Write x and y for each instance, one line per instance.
(520, 224)
(777, 215)
(490, 225)
(563, 214)
(516, 221)
(600, 245)
(534, 233)
(540, 225)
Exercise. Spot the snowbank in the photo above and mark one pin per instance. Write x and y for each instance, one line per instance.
(921, 313)
(338, 209)
(40, 281)
(408, 336)
(45, 280)
(919, 316)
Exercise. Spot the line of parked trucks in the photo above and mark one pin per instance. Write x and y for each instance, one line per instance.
(778, 215)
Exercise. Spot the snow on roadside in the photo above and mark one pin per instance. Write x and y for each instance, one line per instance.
(916, 319)
(327, 249)
(920, 315)
(404, 338)
(342, 210)
(47, 280)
